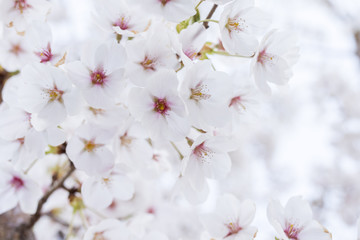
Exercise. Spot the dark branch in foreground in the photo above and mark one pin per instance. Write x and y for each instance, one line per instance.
(34, 218)
(206, 24)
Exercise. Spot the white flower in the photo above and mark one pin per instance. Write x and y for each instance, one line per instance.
(159, 108)
(192, 40)
(238, 22)
(131, 146)
(205, 92)
(172, 10)
(117, 16)
(295, 221)
(15, 51)
(109, 229)
(99, 192)
(231, 219)
(209, 158)
(48, 93)
(88, 151)
(148, 54)
(21, 13)
(114, 116)
(277, 53)
(40, 38)
(99, 75)
(17, 188)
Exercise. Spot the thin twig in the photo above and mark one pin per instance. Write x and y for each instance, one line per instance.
(34, 218)
(206, 24)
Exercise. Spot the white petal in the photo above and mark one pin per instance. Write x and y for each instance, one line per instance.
(29, 197)
(121, 187)
(8, 199)
(96, 194)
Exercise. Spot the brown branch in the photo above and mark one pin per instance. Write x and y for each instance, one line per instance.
(34, 218)
(206, 24)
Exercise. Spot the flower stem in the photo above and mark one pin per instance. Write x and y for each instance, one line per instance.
(209, 20)
(68, 235)
(230, 55)
(197, 6)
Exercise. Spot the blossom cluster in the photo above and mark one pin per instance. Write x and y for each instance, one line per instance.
(140, 103)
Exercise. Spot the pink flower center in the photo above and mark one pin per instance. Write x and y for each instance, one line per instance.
(192, 54)
(148, 64)
(202, 153)
(16, 49)
(236, 102)
(45, 55)
(17, 182)
(264, 57)
(164, 2)
(233, 228)
(122, 23)
(161, 106)
(98, 77)
(292, 231)
(21, 5)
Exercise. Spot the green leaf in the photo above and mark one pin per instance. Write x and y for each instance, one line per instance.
(196, 17)
(183, 25)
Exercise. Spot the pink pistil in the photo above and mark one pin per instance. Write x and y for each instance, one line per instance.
(98, 77)
(233, 228)
(45, 55)
(122, 23)
(264, 57)
(292, 231)
(17, 182)
(161, 106)
(21, 5)
(148, 64)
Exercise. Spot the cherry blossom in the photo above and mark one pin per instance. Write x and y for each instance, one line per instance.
(150, 53)
(16, 188)
(99, 192)
(208, 159)
(277, 53)
(121, 18)
(205, 91)
(20, 13)
(132, 146)
(231, 219)
(88, 151)
(295, 221)
(238, 23)
(99, 74)
(109, 229)
(192, 40)
(15, 51)
(159, 108)
(172, 10)
(47, 92)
